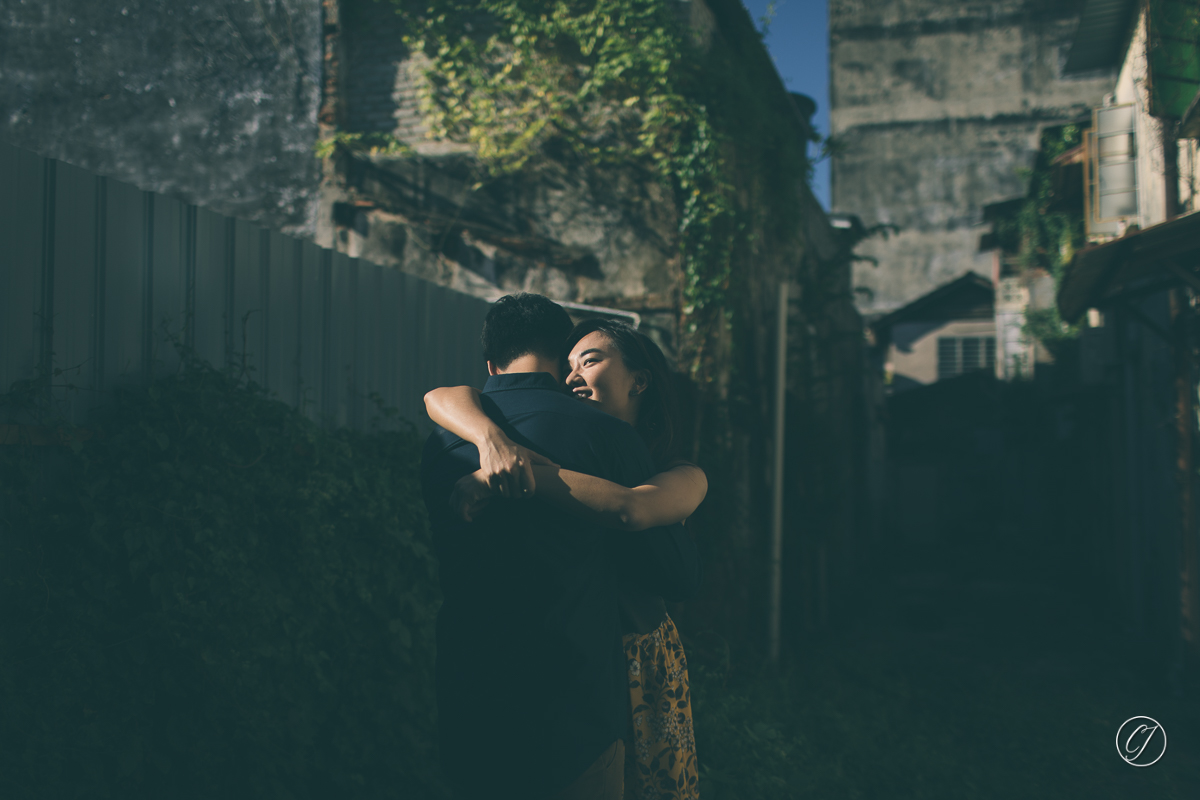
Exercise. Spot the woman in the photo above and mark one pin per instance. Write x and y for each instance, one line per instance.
(624, 374)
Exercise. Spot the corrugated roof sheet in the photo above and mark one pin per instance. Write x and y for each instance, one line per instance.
(1099, 273)
(1101, 36)
(943, 302)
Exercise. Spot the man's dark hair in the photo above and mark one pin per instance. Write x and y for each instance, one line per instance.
(521, 324)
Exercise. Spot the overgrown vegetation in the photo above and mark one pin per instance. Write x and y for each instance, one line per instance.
(607, 81)
(212, 596)
(375, 144)
(208, 596)
(1045, 232)
(614, 82)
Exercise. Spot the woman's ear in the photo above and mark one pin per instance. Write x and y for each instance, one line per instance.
(641, 382)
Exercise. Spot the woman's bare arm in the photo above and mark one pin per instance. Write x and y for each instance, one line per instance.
(507, 466)
(669, 497)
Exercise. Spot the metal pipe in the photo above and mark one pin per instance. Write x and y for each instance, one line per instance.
(776, 564)
(632, 317)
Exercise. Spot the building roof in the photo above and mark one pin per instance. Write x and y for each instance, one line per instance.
(954, 300)
(1156, 258)
(1102, 35)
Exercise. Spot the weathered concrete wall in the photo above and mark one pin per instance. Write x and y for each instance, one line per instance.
(563, 230)
(600, 242)
(939, 104)
(215, 102)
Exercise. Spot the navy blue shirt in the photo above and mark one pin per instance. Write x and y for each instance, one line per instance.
(530, 673)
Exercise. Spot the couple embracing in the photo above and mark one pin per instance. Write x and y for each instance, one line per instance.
(556, 503)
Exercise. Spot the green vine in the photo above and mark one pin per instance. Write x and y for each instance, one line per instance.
(607, 81)
(1044, 233)
(376, 144)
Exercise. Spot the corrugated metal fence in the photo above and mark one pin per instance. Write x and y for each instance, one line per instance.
(95, 274)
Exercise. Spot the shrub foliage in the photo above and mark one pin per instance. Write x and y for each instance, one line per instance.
(213, 596)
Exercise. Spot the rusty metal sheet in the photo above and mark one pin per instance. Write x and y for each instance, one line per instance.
(125, 345)
(476, 368)
(463, 321)
(249, 299)
(339, 359)
(283, 329)
(128, 268)
(77, 211)
(313, 292)
(453, 334)
(467, 323)
(168, 281)
(390, 344)
(213, 261)
(428, 346)
(368, 346)
(22, 229)
(408, 359)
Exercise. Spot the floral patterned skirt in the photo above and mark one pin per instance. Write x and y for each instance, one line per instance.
(660, 760)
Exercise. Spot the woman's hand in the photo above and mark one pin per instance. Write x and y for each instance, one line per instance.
(473, 492)
(507, 467)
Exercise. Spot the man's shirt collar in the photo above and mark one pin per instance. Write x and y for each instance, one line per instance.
(522, 380)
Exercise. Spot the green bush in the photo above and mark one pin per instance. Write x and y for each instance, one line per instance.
(212, 596)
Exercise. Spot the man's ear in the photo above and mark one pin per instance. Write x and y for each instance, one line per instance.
(492, 369)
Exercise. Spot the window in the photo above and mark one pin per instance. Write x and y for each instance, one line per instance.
(959, 354)
(1110, 169)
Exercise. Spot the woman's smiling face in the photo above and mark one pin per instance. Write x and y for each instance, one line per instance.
(598, 375)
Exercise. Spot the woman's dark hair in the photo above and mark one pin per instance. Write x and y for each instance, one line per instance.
(658, 416)
(520, 324)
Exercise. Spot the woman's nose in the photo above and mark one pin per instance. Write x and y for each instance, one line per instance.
(574, 378)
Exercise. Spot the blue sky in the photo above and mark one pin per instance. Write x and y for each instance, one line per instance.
(798, 39)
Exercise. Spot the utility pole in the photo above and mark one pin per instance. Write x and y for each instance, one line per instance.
(775, 577)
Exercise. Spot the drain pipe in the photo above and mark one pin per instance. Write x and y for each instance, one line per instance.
(632, 317)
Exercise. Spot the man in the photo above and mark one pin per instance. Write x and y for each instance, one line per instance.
(533, 699)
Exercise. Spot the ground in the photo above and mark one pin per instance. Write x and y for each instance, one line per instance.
(988, 688)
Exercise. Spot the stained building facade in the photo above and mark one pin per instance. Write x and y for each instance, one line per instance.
(937, 107)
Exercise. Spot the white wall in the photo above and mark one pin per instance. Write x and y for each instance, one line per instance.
(1133, 87)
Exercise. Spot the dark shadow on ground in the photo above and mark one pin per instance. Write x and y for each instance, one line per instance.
(962, 678)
